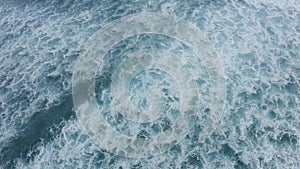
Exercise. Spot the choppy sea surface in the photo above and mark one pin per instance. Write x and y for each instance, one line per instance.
(258, 46)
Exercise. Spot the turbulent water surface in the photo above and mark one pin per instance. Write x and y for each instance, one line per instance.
(257, 43)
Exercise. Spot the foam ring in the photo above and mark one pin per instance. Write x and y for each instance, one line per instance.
(86, 107)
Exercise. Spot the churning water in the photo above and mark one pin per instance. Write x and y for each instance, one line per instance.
(150, 84)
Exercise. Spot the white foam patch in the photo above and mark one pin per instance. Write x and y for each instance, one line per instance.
(282, 4)
(36, 63)
(61, 153)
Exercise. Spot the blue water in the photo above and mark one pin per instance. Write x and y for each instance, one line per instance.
(258, 45)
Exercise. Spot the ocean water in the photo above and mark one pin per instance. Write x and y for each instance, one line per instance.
(242, 84)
